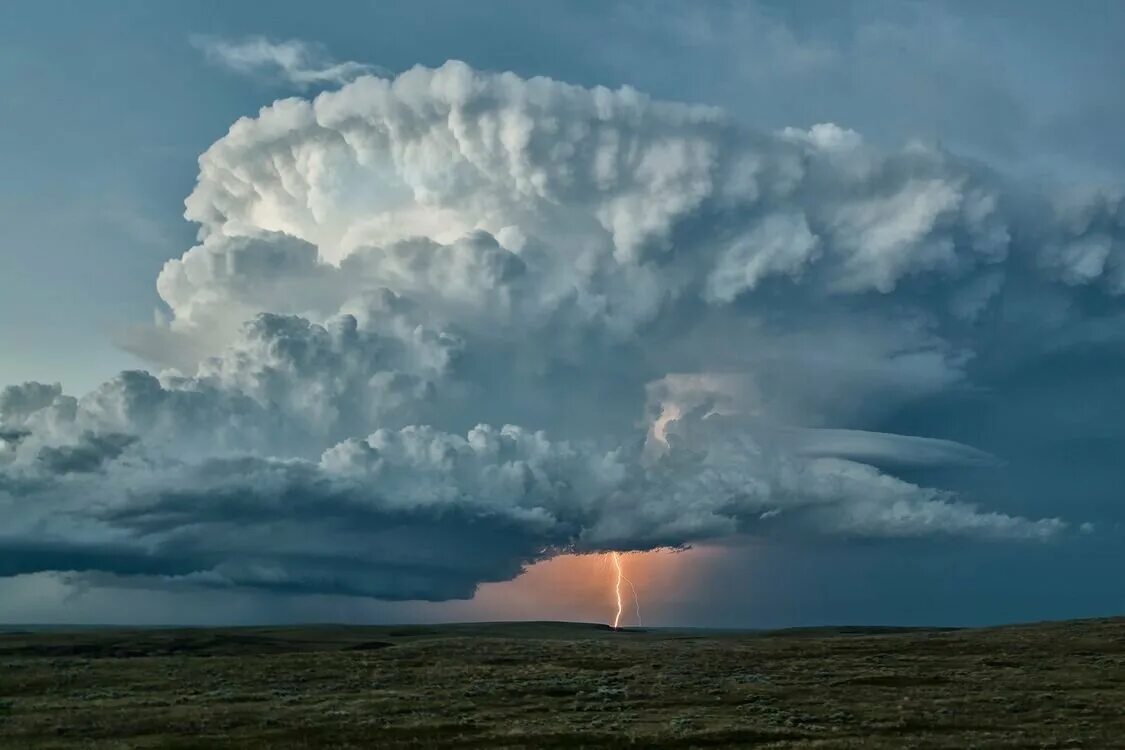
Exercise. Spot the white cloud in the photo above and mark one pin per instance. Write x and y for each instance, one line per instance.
(299, 63)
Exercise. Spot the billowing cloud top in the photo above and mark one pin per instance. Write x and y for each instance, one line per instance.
(440, 326)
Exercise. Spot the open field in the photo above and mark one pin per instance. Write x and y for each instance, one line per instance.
(564, 685)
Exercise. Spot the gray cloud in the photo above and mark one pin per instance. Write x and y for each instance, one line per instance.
(18, 402)
(89, 453)
(422, 514)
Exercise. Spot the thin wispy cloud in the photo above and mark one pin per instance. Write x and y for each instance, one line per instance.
(293, 61)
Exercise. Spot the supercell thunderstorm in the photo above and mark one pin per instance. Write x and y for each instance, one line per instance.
(438, 327)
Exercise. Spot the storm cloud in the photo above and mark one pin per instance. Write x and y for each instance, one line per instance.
(442, 326)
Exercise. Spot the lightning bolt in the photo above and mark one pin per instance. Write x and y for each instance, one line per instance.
(619, 571)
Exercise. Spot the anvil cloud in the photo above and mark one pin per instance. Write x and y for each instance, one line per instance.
(438, 327)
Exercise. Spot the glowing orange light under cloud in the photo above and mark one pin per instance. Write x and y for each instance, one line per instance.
(582, 588)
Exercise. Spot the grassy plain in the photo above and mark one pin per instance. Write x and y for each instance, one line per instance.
(543, 685)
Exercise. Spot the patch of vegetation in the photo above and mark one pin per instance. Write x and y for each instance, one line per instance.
(544, 685)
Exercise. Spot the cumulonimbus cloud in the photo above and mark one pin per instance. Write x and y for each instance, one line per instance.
(695, 326)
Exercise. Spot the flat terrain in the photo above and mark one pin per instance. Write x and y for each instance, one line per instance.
(564, 685)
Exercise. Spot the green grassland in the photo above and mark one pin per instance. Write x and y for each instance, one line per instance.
(531, 685)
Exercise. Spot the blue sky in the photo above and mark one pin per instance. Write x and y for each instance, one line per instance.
(107, 108)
